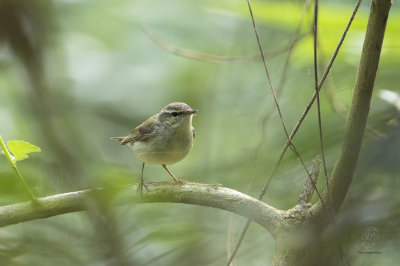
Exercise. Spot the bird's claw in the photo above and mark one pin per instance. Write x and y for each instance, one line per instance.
(140, 188)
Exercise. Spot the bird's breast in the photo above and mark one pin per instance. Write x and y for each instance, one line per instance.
(167, 147)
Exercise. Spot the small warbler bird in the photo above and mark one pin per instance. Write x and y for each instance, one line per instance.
(164, 138)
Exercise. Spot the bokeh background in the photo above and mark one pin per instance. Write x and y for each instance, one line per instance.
(74, 73)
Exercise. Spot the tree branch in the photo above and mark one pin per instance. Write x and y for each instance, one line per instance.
(189, 193)
(190, 54)
(344, 169)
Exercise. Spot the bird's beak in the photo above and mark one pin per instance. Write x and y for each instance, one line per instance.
(193, 111)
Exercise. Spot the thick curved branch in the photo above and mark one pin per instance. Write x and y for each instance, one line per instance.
(357, 119)
(189, 193)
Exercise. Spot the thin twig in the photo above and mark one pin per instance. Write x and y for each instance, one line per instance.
(282, 80)
(216, 58)
(246, 227)
(263, 191)
(266, 71)
(310, 103)
(329, 210)
(297, 126)
(315, 30)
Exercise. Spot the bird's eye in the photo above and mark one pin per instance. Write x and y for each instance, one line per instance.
(174, 114)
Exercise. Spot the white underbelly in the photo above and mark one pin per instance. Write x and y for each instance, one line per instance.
(162, 152)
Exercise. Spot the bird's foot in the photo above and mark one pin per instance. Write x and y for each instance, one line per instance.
(140, 188)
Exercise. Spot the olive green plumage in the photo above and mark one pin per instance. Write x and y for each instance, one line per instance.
(164, 138)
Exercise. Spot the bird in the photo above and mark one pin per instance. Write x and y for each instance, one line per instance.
(164, 138)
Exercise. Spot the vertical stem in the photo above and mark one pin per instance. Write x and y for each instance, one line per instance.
(346, 163)
(14, 167)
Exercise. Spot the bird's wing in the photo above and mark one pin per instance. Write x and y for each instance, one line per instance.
(143, 131)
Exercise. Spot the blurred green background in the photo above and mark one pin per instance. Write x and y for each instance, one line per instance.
(74, 73)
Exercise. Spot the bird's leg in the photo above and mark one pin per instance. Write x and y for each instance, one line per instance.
(169, 172)
(141, 184)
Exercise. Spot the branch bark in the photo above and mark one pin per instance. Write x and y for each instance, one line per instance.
(345, 166)
(292, 229)
(190, 193)
(309, 250)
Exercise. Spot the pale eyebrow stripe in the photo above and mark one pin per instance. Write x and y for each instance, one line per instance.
(174, 111)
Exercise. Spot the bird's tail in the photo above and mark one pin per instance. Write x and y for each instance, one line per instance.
(120, 139)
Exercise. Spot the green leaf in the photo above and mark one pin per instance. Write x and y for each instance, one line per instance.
(20, 149)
